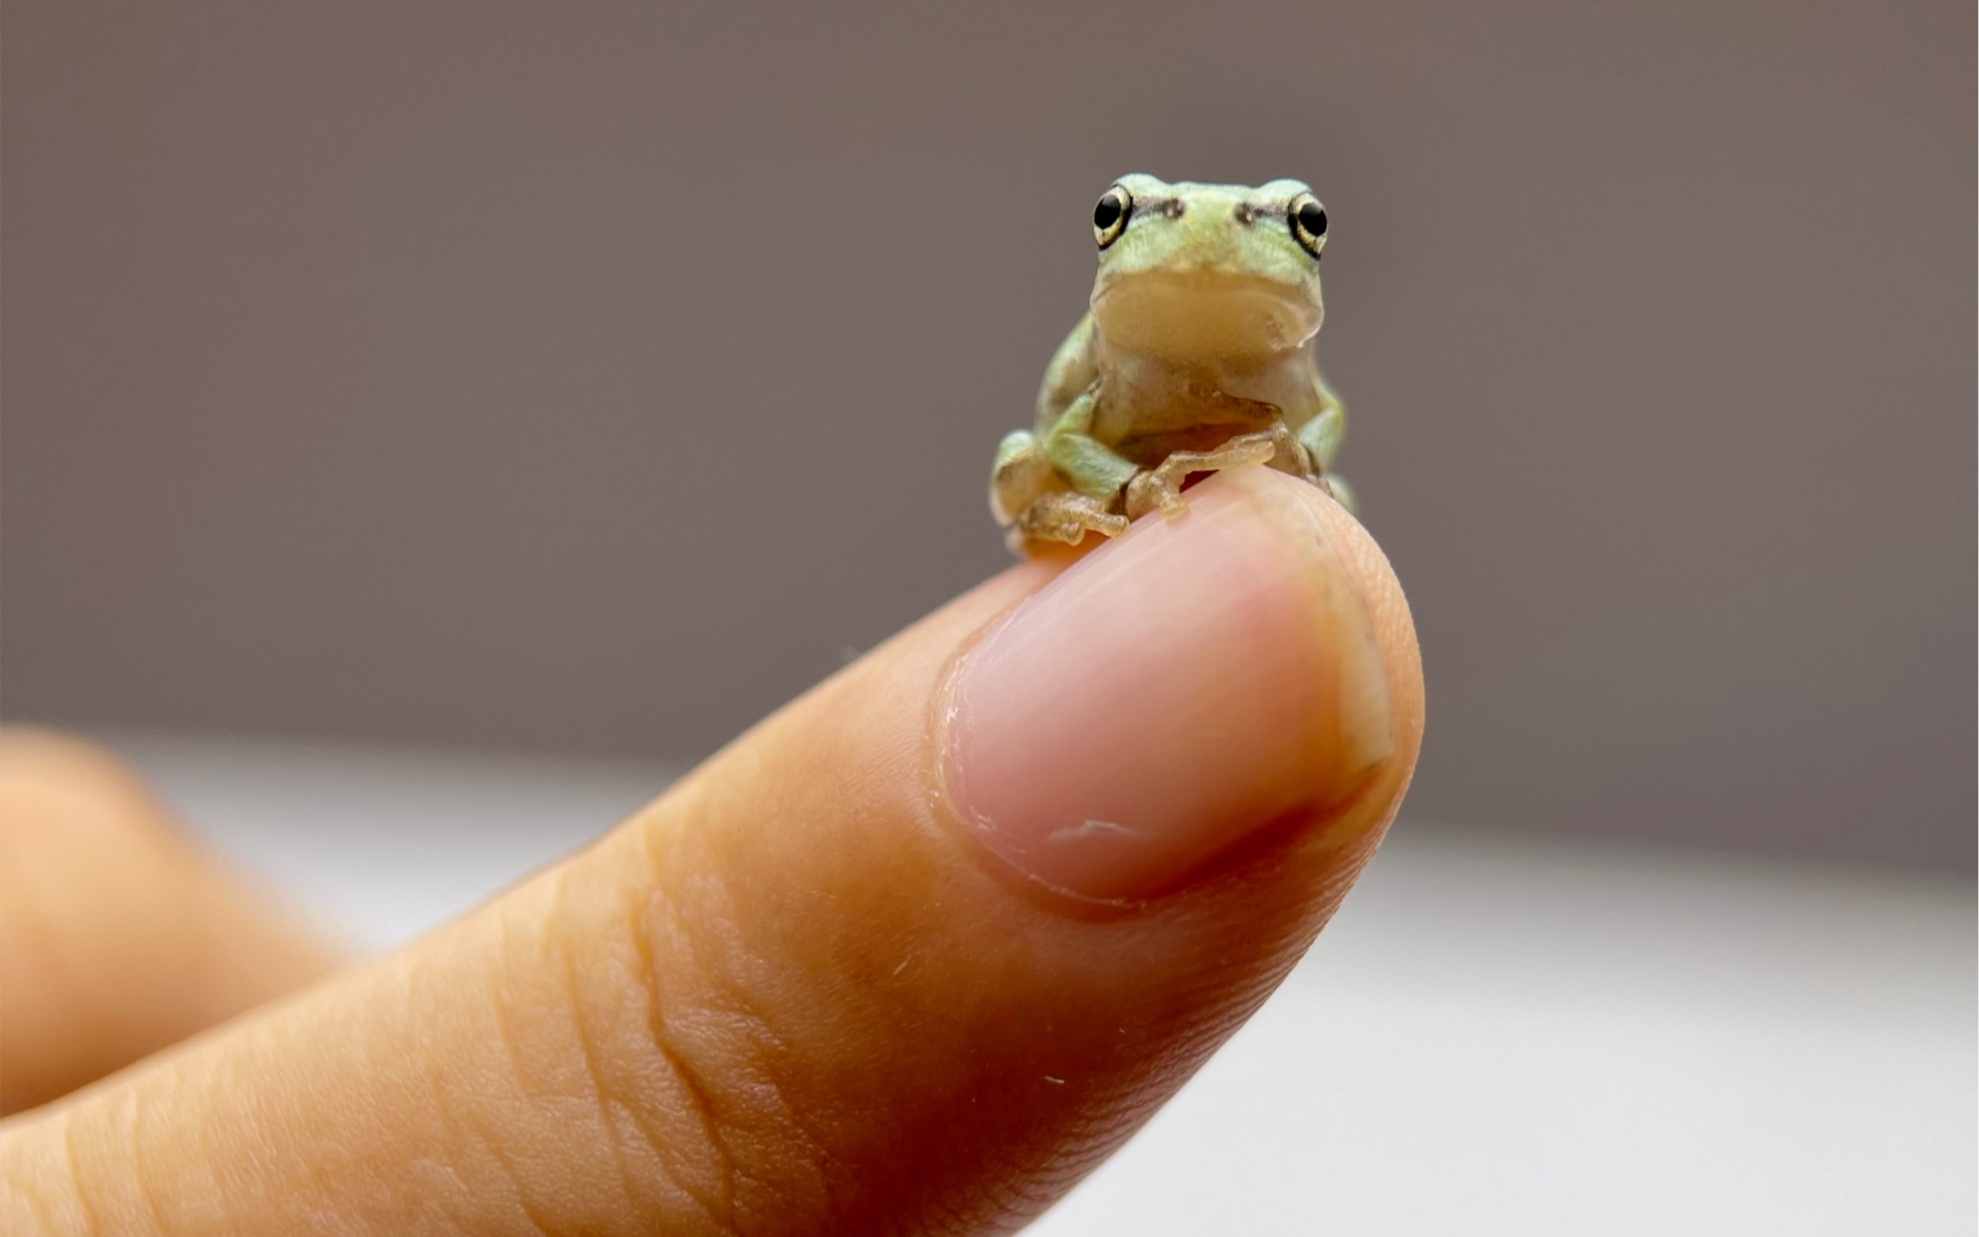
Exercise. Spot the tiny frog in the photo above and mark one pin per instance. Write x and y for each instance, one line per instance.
(1197, 355)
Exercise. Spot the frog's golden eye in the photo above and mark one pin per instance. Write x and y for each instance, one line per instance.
(1308, 219)
(1110, 216)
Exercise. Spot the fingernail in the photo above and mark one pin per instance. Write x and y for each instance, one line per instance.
(1169, 695)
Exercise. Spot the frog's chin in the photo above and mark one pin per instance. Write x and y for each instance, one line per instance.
(1206, 313)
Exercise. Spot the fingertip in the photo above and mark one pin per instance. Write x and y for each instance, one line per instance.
(1176, 690)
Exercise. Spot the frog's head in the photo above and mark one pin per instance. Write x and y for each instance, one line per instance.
(1210, 270)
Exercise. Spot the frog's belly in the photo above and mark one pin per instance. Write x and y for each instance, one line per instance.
(1199, 424)
(1150, 449)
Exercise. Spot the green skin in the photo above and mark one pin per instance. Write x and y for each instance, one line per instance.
(1197, 355)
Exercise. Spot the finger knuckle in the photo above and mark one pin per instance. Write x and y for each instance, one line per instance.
(724, 1061)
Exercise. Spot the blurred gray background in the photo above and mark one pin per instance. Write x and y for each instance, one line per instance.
(590, 379)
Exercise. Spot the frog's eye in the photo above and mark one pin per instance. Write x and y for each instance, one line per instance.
(1110, 216)
(1308, 220)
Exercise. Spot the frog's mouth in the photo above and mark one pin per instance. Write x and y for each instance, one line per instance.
(1205, 313)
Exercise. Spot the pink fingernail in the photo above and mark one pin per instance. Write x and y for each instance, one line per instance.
(1169, 695)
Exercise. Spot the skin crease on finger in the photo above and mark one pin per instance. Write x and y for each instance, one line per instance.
(792, 995)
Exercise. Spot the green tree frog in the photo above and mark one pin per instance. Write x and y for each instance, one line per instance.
(1196, 355)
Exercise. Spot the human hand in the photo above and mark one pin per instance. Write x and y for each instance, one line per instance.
(912, 955)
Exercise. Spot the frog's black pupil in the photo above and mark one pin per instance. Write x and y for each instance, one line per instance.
(1107, 213)
(1312, 217)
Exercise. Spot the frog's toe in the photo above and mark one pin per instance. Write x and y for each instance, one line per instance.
(1255, 448)
(1154, 490)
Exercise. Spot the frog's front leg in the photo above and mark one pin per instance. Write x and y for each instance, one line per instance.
(1066, 517)
(1161, 486)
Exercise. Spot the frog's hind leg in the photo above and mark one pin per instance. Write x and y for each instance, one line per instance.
(1027, 498)
(1020, 477)
(1321, 438)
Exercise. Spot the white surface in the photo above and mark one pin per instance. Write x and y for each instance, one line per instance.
(1495, 1036)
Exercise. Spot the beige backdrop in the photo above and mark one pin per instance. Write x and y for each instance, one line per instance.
(592, 377)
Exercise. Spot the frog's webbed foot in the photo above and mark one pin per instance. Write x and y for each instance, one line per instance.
(1160, 487)
(1065, 517)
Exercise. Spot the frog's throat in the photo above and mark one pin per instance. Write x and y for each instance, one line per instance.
(1205, 314)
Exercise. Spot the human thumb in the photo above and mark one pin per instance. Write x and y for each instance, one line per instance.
(913, 955)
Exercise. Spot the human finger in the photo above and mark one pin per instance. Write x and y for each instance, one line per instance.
(119, 935)
(912, 955)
